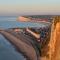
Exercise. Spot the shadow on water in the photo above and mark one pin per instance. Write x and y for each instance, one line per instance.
(7, 51)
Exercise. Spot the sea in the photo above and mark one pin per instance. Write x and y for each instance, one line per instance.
(7, 50)
(11, 22)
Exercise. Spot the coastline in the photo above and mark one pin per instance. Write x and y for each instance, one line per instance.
(22, 46)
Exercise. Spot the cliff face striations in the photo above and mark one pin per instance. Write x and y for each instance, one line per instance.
(54, 51)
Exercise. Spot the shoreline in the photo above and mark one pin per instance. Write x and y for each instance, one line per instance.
(27, 49)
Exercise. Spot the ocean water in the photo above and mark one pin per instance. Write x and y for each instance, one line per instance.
(11, 22)
(7, 50)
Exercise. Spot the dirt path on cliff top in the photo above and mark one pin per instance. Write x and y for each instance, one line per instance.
(57, 45)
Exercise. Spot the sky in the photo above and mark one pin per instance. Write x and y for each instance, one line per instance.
(26, 7)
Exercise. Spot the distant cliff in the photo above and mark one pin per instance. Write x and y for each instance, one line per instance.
(23, 19)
